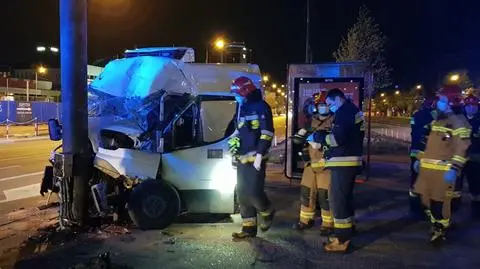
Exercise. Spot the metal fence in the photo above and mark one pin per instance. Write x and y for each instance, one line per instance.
(20, 112)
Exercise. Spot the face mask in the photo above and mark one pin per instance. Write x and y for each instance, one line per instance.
(323, 110)
(333, 108)
(239, 99)
(442, 106)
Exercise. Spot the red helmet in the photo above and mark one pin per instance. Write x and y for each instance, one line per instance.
(453, 93)
(320, 98)
(243, 86)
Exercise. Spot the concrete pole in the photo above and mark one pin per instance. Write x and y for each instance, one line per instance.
(73, 61)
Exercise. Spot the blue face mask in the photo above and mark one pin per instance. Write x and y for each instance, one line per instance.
(442, 106)
(239, 99)
(333, 108)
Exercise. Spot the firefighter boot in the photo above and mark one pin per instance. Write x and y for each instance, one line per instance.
(475, 210)
(335, 245)
(438, 235)
(300, 226)
(267, 219)
(249, 230)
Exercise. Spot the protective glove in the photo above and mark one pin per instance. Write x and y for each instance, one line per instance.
(416, 166)
(302, 132)
(258, 162)
(450, 176)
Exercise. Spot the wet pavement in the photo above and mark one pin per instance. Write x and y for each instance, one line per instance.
(386, 238)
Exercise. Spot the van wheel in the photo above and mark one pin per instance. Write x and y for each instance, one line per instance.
(153, 204)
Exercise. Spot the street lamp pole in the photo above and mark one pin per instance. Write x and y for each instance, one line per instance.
(73, 59)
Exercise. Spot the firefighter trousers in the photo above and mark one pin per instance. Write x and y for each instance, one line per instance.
(413, 197)
(314, 191)
(251, 195)
(437, 196)
(472, 172)
(341, 200)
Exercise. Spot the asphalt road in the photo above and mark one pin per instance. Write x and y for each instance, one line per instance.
(21, 170)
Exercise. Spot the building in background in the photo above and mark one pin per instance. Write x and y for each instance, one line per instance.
(237, 52)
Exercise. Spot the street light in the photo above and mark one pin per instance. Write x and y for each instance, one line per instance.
(279, 91)
(283, 85)
(265, 78)
(382, 95)
(419, 87)
(274, 86)
(40, 70)
(397, 92)
(455, 77)
(41, 49)
(54, 49)
(220, 45)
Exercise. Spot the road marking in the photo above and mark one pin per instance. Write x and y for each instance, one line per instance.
(24, 157)
(8, 167)
(21, 176)
(21, 193)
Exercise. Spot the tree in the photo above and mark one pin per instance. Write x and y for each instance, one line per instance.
(366, 42)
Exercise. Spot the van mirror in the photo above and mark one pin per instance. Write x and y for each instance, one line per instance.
(54, 130)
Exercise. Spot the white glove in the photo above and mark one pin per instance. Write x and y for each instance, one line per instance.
(416, 166)
(302, 132)
(258, 162)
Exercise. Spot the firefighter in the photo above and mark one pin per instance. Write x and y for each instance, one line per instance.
(344, 160)
(472, 168)
(315, 179)
(442, 162)
(250, 144)
(420, 127)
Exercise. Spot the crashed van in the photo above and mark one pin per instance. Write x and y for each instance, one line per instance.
(159, 130)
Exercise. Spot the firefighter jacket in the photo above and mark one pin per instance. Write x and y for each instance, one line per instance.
(345, 142)
(473, 151)
(316, 150)
(420, 128)
(254, 130)
(447, 143)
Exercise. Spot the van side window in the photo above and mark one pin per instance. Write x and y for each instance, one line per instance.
(185, 129)
(218, 119)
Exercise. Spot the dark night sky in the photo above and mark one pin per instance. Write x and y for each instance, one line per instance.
(426, 37)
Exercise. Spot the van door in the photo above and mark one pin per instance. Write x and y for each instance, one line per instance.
(199, 159)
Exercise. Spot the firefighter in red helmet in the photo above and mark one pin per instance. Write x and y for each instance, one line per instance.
(315, 179)
(442, 162)
(250, 145)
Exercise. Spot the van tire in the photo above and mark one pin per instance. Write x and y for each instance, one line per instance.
(153, 204)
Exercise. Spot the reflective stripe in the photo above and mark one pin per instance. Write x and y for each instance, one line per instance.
(330, 139)
(266, 137)
(266, 213)
(240, 124)
(435, 166)
(307, 215)
(266, 132)
(461, 131)
(251, 117)
(327, 219)
(459, 159)
(453, 194)
(415, 152)
(345, 220)
(344, 161)
(319, 164)
(444, 222)
(343, 223)
(249, 222)
(429, 215)
(439, 128)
